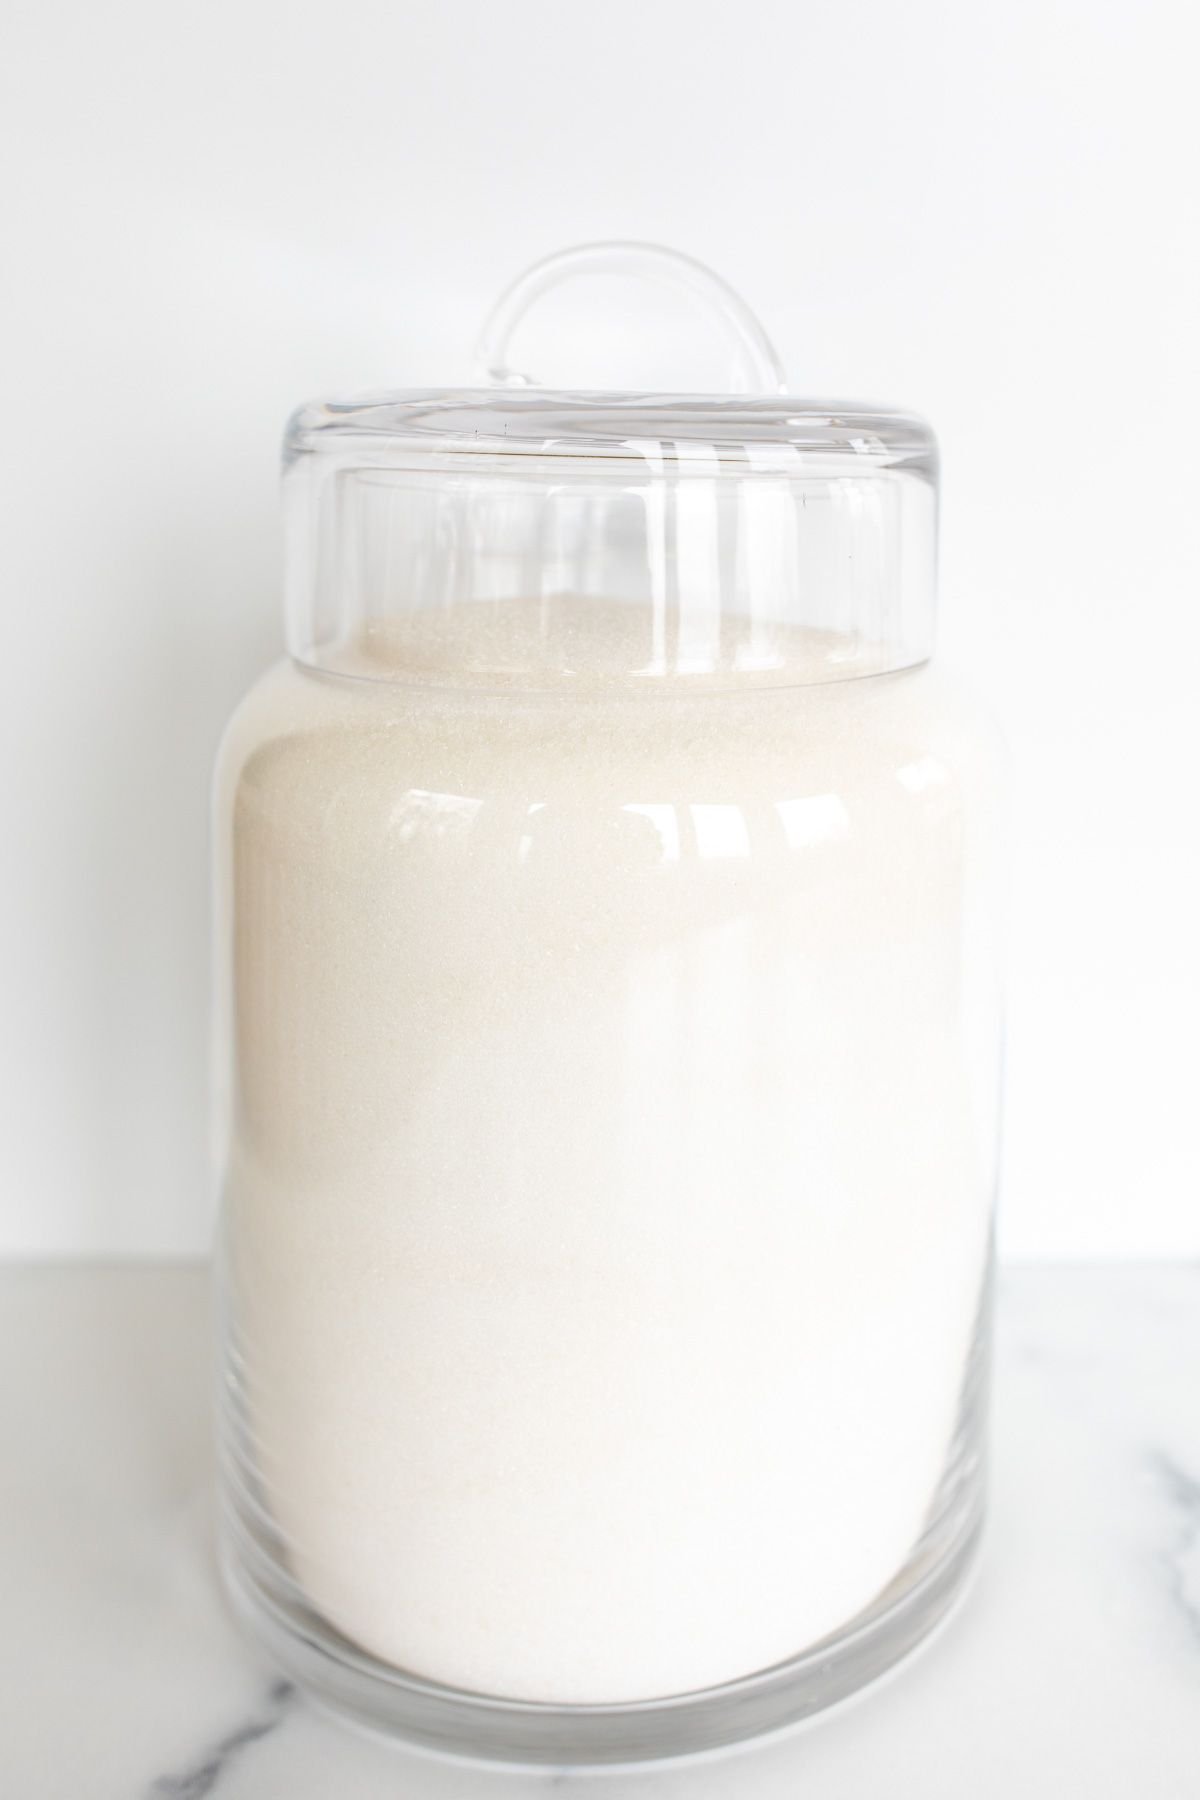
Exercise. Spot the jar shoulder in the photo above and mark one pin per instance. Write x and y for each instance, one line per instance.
(299, 743)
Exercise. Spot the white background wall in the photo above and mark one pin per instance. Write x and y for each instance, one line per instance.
(214, 210)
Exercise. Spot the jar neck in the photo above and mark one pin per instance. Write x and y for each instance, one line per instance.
(591, 578)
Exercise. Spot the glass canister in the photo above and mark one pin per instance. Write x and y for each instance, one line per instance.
(610, 1030)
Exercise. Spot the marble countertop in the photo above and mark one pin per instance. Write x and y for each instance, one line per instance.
(1072, 1670)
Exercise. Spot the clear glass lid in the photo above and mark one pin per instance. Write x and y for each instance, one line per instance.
(510, 534)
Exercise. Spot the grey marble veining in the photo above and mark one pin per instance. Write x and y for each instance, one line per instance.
(1073, 1669)
(213, 1765)
(1182, 1559)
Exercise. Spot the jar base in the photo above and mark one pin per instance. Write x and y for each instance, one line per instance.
(451, 1722)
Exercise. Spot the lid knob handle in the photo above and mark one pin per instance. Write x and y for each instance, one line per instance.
(758, 368)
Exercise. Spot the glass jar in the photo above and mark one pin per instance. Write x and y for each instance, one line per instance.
(610, 1019)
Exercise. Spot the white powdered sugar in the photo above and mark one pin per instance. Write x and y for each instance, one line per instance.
(610, 1161)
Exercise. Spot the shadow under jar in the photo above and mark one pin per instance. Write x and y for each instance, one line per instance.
(610, 1018)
